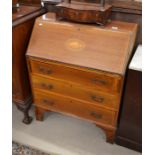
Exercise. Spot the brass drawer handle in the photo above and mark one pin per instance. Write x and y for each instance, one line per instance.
(47, 86)
(96, 115)
(97, 99)
(76, 13)
(48, 101)
(45, 70)
(97, 81)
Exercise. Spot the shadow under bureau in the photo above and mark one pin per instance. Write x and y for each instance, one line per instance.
(79, 69)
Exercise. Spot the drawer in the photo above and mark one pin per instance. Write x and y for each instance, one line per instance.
(86, 77)
(76, 91)
(63, 104)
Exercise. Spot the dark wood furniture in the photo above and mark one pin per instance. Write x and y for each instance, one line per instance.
(14, 2)
(129, 133)
(34, 2)
(84, 12)
(79, 69)
(22, 24)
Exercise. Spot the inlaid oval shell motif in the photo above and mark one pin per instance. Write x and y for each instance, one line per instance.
(75, 44)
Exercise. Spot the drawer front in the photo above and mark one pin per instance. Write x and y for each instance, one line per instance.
(67, 105)
(75, 91)
(93, 79)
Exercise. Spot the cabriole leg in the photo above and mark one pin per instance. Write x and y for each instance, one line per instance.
(25, 109)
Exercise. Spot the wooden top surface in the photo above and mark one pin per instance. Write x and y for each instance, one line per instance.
(103, 48)
(24, 10)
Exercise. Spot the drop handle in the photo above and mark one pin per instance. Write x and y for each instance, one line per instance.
(48, 101)
(47, 86)
(76, 13)
(96, 115)
(98, 81)
(45, 70)
(97, 99)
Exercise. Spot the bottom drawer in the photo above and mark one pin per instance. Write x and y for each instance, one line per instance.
(59, 103)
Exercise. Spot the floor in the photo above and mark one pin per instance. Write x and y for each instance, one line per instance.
(20, 149)
(64, 135)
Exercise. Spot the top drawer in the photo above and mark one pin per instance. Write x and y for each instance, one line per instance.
(87, 77)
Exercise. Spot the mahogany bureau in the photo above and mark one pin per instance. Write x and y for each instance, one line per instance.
(79, 69)
(22, 23)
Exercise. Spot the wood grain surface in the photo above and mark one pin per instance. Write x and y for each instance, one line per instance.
(63, 104)
(94, 79)
(79, 69)
(103, 48)
(81, 92)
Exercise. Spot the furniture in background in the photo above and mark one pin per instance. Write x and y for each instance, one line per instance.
(30, 2)
(23, 19)
(122, 10)
(75, 11)
(79, 69)
(129, 133)
(14, 2)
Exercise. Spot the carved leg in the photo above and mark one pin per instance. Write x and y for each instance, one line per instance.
(39, 112)
(25, 109)
(27, 119)
(110, 134)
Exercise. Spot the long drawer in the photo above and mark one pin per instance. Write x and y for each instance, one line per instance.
(91, 78)
(63, 104)
(75, 91)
